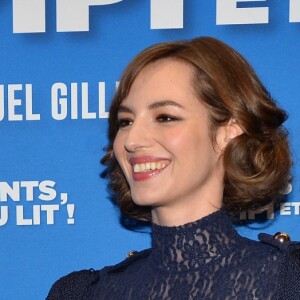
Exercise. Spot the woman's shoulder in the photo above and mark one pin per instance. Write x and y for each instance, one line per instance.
(288, 284)
(288, 251)
(277, 248)
(279, 244)
(132, 262)
(282, 243)
(73, 286)
(77, 285)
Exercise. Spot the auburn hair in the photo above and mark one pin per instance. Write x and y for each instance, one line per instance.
(257, 162)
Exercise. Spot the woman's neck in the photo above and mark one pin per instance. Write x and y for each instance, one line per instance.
(176, 216)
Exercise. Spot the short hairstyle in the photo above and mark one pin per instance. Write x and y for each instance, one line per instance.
(256, 163)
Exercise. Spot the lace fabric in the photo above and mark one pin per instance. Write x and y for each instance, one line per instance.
(206, 259)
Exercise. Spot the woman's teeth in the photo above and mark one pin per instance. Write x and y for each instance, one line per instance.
(145, 167)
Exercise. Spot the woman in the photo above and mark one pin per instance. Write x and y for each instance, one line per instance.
(194, 138)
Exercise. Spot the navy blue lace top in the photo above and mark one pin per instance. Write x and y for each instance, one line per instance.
(206, 259)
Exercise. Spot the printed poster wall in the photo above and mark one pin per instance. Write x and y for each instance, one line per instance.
(60, 62)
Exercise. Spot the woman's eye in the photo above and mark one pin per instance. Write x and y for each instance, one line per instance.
(124, 123)
(166, 118)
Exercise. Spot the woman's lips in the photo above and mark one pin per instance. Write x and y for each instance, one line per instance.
(147, 167)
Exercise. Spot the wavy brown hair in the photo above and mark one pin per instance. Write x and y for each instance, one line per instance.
(256, 163)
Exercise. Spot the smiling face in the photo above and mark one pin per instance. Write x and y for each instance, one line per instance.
(164, 146)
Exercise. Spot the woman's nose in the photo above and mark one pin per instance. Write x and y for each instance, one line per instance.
(138, 137)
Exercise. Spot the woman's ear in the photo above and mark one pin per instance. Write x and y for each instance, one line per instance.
(227, 132)
(233, 129)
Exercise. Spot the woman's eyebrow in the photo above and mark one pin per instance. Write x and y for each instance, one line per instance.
(162, 103)
(124, 108)
(154, 105)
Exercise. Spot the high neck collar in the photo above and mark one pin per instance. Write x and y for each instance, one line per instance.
(194, 245)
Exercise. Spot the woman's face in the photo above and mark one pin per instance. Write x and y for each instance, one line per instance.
(164, 145)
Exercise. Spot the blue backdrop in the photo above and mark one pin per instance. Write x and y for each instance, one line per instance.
(60, 61)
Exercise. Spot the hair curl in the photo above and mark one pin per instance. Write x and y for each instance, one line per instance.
(256, 163)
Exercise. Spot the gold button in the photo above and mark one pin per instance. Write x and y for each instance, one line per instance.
(282, 237)
(131, 253)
